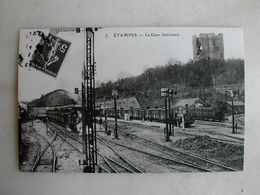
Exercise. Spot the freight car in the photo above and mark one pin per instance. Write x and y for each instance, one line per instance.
(210, 114)
(157, 115)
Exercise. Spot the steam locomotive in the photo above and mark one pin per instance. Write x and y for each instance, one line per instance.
(65, 115)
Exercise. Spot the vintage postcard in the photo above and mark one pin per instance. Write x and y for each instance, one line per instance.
(131, 100)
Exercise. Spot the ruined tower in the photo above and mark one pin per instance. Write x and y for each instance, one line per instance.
(208, 46)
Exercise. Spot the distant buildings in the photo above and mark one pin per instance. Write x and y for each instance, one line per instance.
(208, 46)
(190, 102)
(124, 103)
(238, 106)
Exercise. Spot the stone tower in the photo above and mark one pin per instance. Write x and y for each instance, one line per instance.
(208, 46)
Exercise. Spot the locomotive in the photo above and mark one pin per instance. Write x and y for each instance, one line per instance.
(65, 115)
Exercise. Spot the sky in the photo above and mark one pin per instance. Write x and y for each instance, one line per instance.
(119, 52)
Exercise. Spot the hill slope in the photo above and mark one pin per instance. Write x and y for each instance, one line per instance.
(55, 98)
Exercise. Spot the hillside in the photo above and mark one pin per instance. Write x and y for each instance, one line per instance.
(193, 79)
(55, 98)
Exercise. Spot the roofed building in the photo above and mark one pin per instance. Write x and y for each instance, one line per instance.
(125, 103)
(239, 107)
(190, 102)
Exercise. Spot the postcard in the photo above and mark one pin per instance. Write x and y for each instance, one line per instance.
(131, 100)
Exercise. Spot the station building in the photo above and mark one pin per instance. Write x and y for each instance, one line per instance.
(239, 107)
(190, 102)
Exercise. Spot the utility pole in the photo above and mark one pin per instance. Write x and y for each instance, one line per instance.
(166, 121)
(105, 121)
(115, 94)
(232, 110)
(83, 111)
(169, 109)
(171, 126)
(233, 117)
(165, 94)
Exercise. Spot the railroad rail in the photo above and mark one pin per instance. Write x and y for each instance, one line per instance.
(42, 152)
(65, 135)
(113, 170)
(162, 159)
(135, 168)
(102, 168)
(189, 158)
(106, 159)
(229, 141)
(184, 156)
(217, 124)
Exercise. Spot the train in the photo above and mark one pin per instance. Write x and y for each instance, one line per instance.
(71, 115)
(153, 115)
(158, 115)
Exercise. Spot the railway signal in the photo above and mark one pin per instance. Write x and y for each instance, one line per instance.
(233, 93)
(167, 93)
(76, 90)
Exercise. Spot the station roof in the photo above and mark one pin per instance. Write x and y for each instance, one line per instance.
(189, 102)
(236, 103)
(125, 103)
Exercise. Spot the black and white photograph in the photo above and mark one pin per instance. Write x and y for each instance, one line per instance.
(131, 100)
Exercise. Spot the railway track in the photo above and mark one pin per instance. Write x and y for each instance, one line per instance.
(217, 124)
(130, 167)
(163, 160)
(172, 157)
(181, 155)
(65, 135)
(184, 156)
(235, 140)
(229, 141)
(113, 165)
(40, 154)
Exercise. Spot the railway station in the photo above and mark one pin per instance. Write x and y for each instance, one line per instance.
(134, 124)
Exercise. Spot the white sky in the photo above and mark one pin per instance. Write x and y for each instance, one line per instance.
(119, 56)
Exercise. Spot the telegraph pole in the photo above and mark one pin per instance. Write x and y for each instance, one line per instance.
(83, 111)
(169, 109)
(115, 94)
(165, 94)
(233, 117)
(232, 110)
(170, 94)
(166, 120)
(105, 121)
